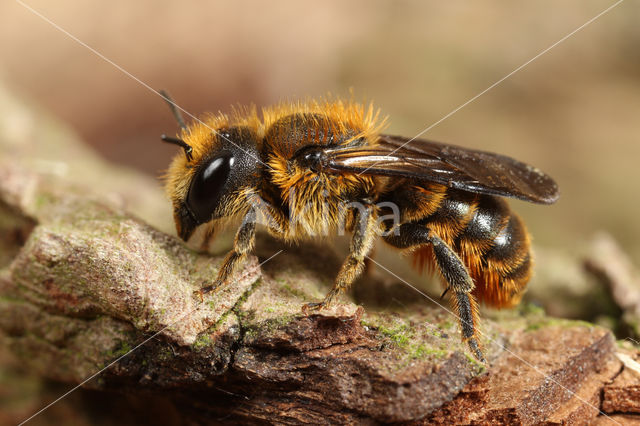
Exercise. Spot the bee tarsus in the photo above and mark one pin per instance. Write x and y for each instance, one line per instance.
(310, 307)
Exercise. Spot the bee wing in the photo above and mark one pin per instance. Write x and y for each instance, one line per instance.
(450, 165)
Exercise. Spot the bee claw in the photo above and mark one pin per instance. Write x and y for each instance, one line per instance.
(199, 294)
(307, 308)
(475, 349)
(206, 290)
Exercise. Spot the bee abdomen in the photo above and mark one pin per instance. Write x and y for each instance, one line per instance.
(491, 240)
(509, 248)
(488, 221)
(506, 266)
(496, 249)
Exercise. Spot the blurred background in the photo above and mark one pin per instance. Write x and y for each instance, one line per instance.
(574, 112)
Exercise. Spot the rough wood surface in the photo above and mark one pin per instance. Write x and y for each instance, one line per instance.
(86, 284)
(622, 395)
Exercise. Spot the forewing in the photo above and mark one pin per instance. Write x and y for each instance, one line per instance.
(450, 165)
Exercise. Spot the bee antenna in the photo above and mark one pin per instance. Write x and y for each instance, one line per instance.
(174, 109)
(187, 148)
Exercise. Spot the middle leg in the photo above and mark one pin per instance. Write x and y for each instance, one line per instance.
(362, 241)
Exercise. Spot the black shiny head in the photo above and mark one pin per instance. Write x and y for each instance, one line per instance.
(218, 181)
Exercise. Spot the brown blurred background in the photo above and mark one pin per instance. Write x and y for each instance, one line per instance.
(574, 112)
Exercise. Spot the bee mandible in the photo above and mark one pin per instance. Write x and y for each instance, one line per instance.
(317, 166)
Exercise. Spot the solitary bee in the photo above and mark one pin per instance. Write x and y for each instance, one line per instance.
(317, 166)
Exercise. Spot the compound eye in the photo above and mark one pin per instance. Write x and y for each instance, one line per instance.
(207, 185)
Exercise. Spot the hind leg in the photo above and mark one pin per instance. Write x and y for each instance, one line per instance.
(460, 284)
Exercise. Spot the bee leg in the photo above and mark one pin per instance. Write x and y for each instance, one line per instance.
(242, 246)
(460, 282)
(455, 274)
(361, 244)
(369, 266)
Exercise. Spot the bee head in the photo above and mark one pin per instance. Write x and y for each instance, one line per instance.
(210, 181)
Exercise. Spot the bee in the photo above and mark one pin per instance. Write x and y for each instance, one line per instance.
(314, 166)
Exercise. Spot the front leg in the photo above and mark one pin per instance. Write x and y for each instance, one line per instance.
(242, 246)
(361, 244)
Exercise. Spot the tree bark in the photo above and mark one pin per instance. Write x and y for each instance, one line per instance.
(87, 286)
